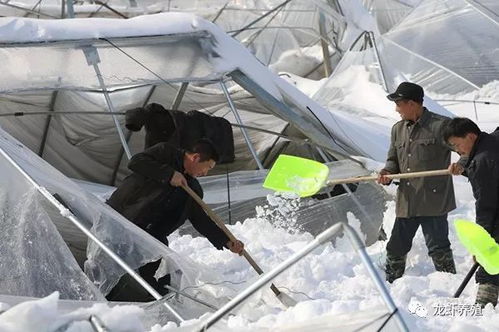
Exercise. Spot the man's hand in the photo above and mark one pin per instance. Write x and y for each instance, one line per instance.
(236, 247)
(382, 179)
(455, 169)
(178, 180)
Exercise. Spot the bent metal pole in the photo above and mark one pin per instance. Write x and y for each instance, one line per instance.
(93, 60)
(65, 212)
(319, 240)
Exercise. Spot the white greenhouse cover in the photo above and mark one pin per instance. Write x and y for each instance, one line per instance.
(448, 46)
(130, 57)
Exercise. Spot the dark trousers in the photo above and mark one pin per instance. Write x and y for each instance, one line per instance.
(147, 272)
(435, 230)
(482, 277)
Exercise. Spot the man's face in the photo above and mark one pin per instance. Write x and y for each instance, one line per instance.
(463, 145)
(406, 109)
(196, 168)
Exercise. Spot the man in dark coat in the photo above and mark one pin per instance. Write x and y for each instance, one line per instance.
(153, 199)
(482, 171)
(417, 144)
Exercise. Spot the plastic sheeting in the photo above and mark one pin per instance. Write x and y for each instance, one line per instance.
(448, 46)
(34, 260)
(65, 66)
(294, 26)
(86, 146)
(367, 202)
(389, 13)
(45, 263)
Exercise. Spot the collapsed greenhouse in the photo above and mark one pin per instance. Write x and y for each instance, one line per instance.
(68, 85)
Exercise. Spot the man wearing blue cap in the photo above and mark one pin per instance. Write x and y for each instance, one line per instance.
(417, 144)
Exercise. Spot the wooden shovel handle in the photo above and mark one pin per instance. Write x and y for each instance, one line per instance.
(389, 176)
(219, 222)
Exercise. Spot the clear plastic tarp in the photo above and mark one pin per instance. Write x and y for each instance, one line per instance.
(271, 28)
(34, 260)
(448, 46)
(389, 13)
(87, 147)
(366, 202)
(45, 262)
(68, 64)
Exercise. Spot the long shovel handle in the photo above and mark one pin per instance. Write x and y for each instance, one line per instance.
(219, 222)
(389, 176)
(466, 279)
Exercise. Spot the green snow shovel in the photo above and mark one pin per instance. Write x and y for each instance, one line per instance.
(480, 244)
(306, 177)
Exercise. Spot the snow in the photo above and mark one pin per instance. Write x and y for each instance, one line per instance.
(329, 282)
(231, 54)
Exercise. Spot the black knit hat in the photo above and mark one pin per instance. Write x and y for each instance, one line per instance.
(407, 91)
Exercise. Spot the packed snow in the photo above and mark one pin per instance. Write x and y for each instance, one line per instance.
(330, 281)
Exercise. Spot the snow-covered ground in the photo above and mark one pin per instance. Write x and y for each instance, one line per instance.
(329, 281)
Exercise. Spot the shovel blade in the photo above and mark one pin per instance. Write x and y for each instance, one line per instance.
(302, 176)
(480, 244)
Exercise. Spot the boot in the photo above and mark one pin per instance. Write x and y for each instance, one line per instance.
(444, 261)
(487, 293)
(395, 267)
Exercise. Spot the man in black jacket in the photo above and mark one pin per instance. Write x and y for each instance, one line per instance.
(153, 199)
(482, 170)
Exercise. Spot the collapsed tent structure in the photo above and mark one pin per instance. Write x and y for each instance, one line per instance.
(66, 106)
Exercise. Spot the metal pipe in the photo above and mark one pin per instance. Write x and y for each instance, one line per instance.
(63, 8)
(179, 96)
(309, 128)
(191, 297)
(260, 18)
(324, 44)
(238, 119)
(65, 212)
(111, 109)
(28, 10)
(128, 137)
(378, 59)
(419, 56)
(475, 5)
(71, 10)
(97, 324)
(357, 244)
(267, 277)
(47, 124)
(93, 59)
(105, 5)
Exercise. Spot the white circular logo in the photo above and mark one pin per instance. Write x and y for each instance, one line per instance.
(418, 309)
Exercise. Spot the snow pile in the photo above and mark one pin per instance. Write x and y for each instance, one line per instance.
(329, 281)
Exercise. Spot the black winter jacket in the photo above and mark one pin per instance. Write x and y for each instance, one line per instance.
(182, 129)
(147, 199)
(483, 173)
